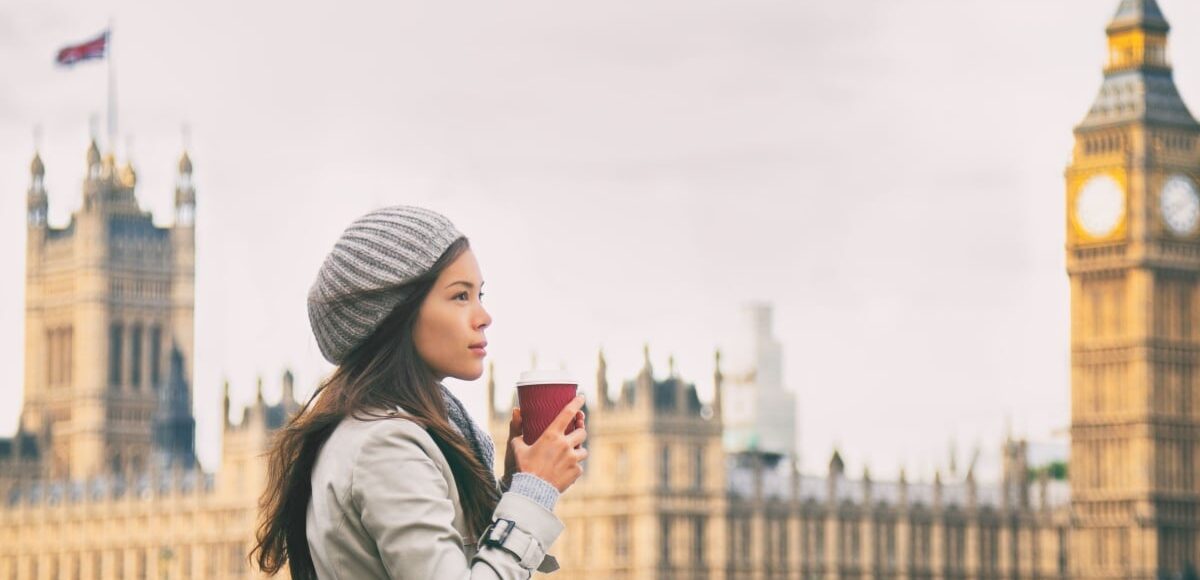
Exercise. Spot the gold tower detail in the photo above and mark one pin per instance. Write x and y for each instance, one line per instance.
(1133, 258)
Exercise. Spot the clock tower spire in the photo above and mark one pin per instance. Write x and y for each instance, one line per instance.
(1133, 258)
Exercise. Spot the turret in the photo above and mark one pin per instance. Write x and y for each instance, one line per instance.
(109, 187)
(183, 275)
(108, 167)
(289, 390)
(837, 469)
(972, 490)
(1137, 37)
(866, 488)
(226, 405)
(718, 379)
(1043, 491)
(1138, 82)
(93, 161)
(185, 194)
(128, 176)
(602, 382)
(644, 387)
(937, 489)
(1015, 475)
(1023, 469)
(37, 202)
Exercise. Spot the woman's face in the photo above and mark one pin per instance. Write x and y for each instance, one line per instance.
(448, 332)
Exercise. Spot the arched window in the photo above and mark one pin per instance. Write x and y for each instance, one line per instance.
(115, 335)
(135, 351)
(665, 467)
(155, 356)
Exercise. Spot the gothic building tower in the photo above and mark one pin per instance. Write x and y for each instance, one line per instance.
(1133, 258)
(108, 326)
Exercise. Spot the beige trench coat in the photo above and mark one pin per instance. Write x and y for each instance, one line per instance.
(384, 505)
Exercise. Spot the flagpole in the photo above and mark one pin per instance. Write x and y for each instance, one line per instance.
(112, 92)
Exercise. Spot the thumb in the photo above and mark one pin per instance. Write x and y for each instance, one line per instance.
(518, 444)
(514, 424)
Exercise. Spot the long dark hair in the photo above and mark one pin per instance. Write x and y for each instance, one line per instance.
(377, 376)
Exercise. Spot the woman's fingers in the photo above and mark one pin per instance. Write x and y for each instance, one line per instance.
(556, 456)
(577, 437)
(559, 424)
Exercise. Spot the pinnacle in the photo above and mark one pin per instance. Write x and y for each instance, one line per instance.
(1144, 13)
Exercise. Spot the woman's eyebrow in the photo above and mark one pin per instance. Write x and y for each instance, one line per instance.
(464, 283)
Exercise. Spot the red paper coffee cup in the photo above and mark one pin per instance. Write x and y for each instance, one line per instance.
(542, 396)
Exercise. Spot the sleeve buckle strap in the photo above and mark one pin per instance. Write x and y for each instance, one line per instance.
(489, 536)
(505, 535)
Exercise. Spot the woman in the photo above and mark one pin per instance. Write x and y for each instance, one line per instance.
(383, 474)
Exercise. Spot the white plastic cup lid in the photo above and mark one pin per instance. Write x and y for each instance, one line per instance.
(546, 377)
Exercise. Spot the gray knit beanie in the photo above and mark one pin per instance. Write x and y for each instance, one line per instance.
(379, 251)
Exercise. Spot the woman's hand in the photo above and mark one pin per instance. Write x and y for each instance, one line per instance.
(555, 457)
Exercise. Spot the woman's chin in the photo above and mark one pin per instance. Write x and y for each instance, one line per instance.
(469, 373)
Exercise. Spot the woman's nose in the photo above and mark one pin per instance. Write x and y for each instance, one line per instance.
(485, 320)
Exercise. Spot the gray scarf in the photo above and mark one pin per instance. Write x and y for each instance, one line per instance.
(477, 436)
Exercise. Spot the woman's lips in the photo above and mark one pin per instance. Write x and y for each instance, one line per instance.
(480, 350)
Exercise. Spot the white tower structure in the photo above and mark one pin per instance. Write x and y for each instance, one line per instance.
(757, 411)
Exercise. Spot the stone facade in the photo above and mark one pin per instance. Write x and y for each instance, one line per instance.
(179, 524)
(662, 499)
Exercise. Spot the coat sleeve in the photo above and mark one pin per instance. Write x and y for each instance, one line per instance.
(404, 503)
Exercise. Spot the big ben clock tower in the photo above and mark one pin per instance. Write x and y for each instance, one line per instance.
(1133, 257)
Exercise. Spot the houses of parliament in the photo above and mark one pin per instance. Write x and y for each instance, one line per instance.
(101, 481)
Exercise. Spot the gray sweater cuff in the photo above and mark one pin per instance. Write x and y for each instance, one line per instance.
(534, 488)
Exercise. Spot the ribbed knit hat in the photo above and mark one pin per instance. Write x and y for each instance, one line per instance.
(378, 252)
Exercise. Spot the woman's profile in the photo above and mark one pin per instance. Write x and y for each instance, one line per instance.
(383, 473)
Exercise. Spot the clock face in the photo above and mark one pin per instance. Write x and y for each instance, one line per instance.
(1180, 204)
(1100, 206)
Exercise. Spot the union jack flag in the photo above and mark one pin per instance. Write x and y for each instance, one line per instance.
(94, 48)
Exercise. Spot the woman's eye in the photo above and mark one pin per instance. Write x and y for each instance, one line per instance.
(481, 295)
(461, 296)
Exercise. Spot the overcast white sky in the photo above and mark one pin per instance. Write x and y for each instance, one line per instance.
(887, 172)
